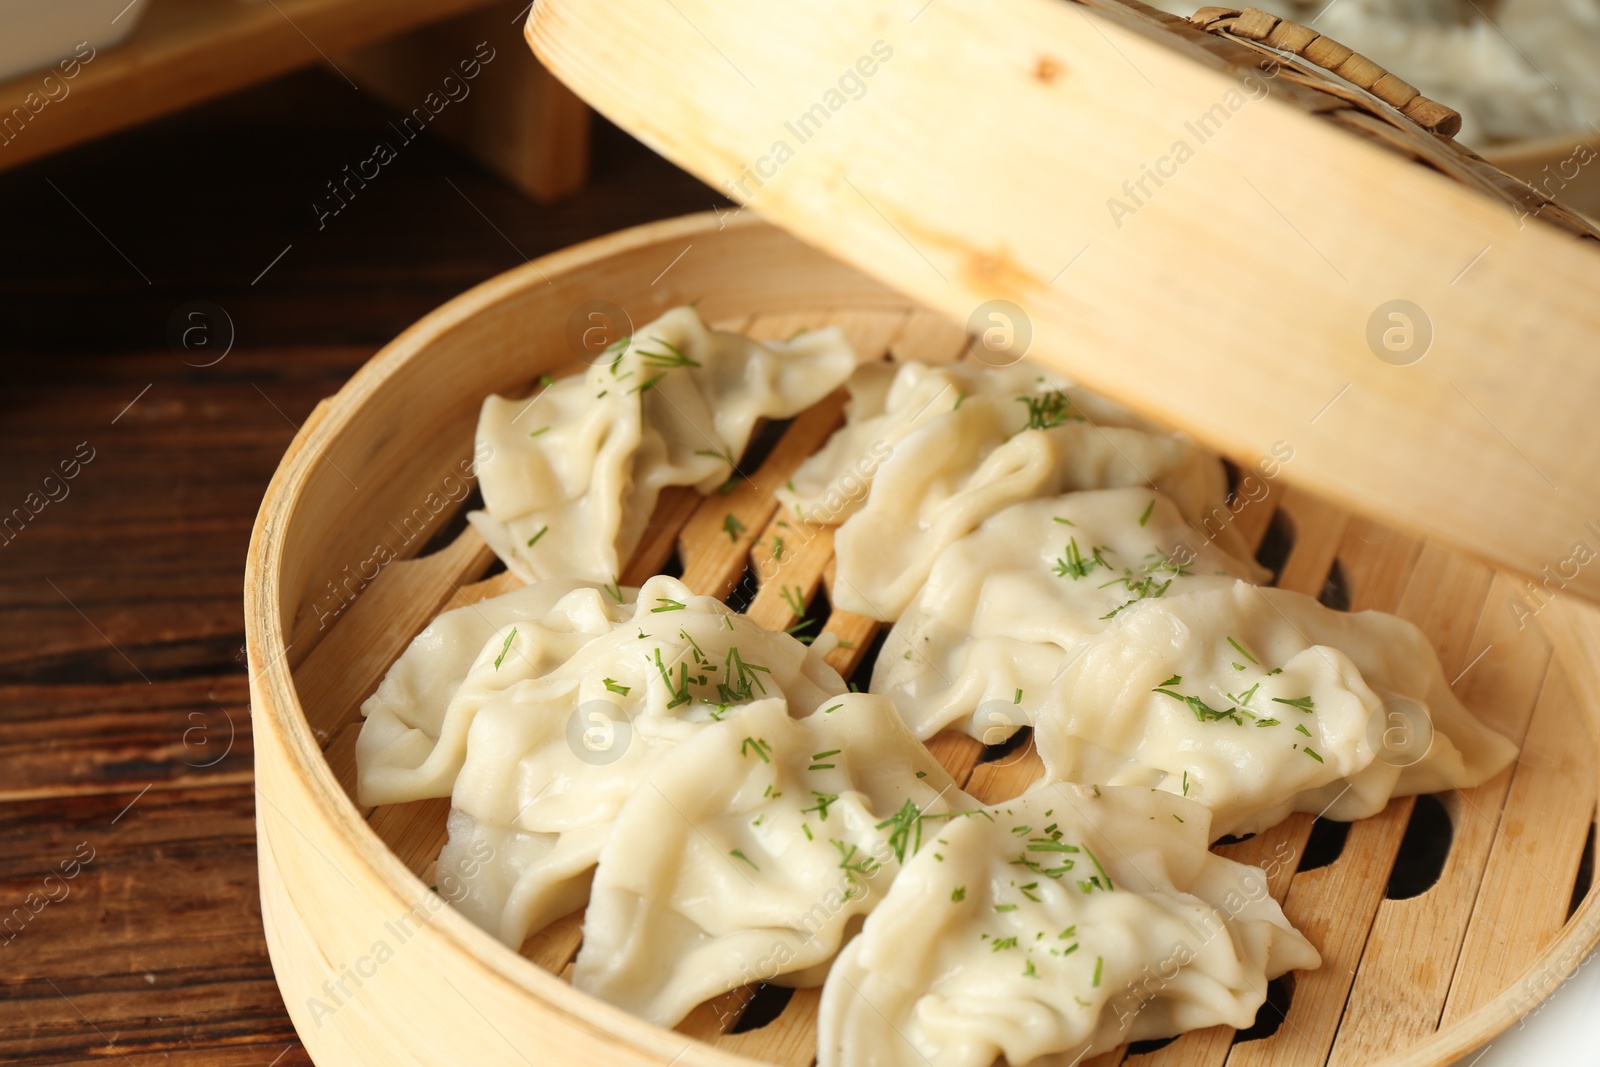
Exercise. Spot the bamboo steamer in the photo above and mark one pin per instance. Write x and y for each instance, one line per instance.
(957, 183)
(376, 969)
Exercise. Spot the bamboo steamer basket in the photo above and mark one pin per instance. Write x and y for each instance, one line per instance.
(358, 545)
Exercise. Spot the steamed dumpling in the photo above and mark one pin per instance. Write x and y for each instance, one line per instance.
(1259, 702)
(946, 477)
(550, 760)
(752, 851)
(572, 475)
(415, 734)
(888, 401)
(1054, 927)
(1005, 606)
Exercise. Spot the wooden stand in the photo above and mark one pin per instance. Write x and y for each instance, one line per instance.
(519, 121)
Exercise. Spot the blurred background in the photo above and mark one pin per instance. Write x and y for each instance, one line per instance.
(214, 212)
(180, 285)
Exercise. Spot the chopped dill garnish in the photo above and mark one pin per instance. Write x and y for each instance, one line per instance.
(1244, 697)
(739, 679)
(621, 690)
(1148, 584)
(680, 692)
(535, 538)
(732, 527)
(1144, 518)
(902, 825)
(758, 746)
(1303, 703)
(676, 358)
(614, 590)
(501, 658)
(1074, 565)
(714, 454)
(747, 859)
(668, 605)
(866, 866)
(1101, 880)
(1308, 751)
(821, 806)
(1237, 647)
(1048, 410)
(1203, 712)
(958, 894)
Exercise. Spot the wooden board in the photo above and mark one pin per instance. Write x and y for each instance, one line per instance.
(1489, 921)
(1233, 294)
(186, 51)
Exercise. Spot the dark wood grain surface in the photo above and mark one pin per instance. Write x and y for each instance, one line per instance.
(130, 928)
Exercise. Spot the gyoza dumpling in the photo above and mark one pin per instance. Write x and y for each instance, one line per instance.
(415, 734)
(1258, 702)
(572, 475)
(552, 759)
(1057, 926)
(948, 476)
(751, 852)
(1004, 606)
(888, 401)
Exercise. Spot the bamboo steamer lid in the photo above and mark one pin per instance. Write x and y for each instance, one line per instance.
(1231, 224)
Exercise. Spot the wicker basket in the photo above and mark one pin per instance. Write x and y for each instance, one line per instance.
(375, 969)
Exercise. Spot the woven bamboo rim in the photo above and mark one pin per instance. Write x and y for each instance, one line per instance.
(1253, 24)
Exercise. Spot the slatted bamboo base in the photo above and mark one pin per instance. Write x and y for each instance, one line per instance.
(1402, 979)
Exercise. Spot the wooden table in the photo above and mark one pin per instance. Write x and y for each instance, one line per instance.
(125, 753)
